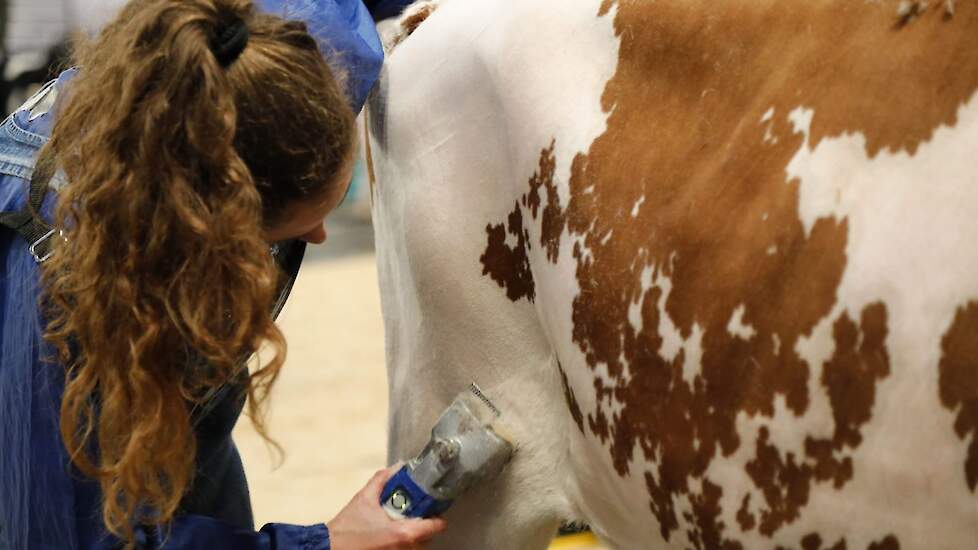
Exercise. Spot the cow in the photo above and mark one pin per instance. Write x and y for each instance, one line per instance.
(715, 260)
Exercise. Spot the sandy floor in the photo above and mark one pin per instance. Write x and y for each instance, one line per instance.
(329, 408)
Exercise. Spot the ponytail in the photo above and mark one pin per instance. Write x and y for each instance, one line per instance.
(192, 125)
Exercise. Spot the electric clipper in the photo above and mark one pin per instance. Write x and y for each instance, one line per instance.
(464, 448)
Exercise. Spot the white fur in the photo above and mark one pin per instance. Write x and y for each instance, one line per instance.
(459, 120)
(447, 324)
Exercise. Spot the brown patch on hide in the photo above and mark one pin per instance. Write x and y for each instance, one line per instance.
(572, 404)
(552, 221)
(813, 541)
(706, 532)
(958, 382)
(685, 135)
(849, 377)
(411, 20)
(785, 484)
(684, 132)
(890, 542)
(509, 266)
(745, 518)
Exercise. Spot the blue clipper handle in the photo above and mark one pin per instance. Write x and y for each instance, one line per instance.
(404, 497)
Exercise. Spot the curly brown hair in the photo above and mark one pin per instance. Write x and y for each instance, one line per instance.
(177, 167)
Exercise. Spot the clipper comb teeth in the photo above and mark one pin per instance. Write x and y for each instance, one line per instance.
(464, 448)
(477, 391)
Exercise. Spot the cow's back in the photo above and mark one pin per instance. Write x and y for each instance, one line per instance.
(722, 249)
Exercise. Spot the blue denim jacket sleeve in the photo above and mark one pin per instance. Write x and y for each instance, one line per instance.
(204, 533)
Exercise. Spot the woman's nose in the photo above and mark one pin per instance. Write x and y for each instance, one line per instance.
(316, 236)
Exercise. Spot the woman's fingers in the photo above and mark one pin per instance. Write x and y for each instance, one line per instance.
(364, 525)
(376, 484)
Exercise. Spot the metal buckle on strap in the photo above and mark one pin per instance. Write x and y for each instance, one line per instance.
(39, 242)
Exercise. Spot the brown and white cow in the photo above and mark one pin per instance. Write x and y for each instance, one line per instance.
(717, 260)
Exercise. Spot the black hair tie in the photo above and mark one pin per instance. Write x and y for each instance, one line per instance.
(231, 41)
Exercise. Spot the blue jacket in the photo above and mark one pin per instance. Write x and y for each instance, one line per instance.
(45, 503)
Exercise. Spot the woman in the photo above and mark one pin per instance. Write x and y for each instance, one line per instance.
(195, 134)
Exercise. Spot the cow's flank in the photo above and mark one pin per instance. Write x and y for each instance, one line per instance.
(684, 208)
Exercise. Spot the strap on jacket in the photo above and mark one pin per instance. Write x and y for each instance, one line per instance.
(28, 221)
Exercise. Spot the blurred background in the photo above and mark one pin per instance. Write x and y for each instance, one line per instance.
(329, 408)
(34, 37)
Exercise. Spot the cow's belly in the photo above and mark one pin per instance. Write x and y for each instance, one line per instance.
(908, 482)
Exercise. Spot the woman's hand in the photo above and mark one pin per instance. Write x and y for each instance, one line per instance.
(364, 525)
